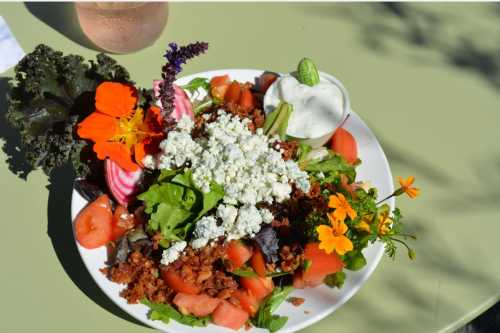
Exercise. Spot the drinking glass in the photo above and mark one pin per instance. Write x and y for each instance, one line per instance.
(122, 27)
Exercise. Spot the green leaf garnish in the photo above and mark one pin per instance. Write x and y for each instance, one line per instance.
(165, 312)
(265, 317)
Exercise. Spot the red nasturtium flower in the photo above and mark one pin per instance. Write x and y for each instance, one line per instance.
(120, 130)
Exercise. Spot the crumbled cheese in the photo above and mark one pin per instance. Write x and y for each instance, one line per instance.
(173, 252)
(244, 163)
(267, 216)
(205, 230)
(249, 166)
(247, 224)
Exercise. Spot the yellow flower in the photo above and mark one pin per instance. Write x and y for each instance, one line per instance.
(333, 239)
(364, 224)
(384, 222)
(406, 187)
(342, 207)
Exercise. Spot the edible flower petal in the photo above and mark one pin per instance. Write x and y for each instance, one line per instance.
(115, 99)
(97, 127)
(333, 239)
(120, 132)
(342, 207)
(406, 187)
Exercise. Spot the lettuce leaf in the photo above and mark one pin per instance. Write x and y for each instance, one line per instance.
(332, 167)
(165, 312)
(265, 317)
(175, 203)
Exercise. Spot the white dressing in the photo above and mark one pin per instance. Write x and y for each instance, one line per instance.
(317, 110)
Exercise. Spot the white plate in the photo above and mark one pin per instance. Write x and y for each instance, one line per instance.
(320, 301)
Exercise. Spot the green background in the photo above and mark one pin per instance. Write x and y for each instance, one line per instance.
(424, 77)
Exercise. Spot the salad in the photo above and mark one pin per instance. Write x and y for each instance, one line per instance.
(215, 199)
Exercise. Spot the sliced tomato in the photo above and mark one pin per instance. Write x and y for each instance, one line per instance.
(177, 283)
(93, 223)
(198, 305)
(248, 301)
(258, 263)
(122, 222)
(238, 253)
(218, 86)
(322, 264)
(247, 101)
(265, 81)
(230, 316)
(233, 93)
(344, 144)
(259, 287)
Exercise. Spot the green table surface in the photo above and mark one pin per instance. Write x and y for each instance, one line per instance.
(424, 77)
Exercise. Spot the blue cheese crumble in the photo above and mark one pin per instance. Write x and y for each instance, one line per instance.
(249, 167)
(173, 252)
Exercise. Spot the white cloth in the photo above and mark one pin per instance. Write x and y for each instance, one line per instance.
(10, 50)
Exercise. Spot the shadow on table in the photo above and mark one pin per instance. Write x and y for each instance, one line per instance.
(59, 227)
(61, 16)
(431, 34)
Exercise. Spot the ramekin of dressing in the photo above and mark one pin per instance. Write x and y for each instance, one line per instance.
(317, 111)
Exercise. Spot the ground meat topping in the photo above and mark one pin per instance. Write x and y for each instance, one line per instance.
(141, 275)
(203, 269)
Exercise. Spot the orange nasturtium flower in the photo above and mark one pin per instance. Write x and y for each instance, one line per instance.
(333, 238)
(119, 129)
(342, 207)
(406, 187)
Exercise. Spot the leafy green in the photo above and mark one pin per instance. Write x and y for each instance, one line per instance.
(244, 272)
(50, 94)
(165, 312)
(265, 318)
(354, 260)
(249, 272)
(175, 203)
(302, 152)
(196, 83)
(335, 280)
(332, 167)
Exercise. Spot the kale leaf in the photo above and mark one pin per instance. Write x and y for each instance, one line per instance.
(51, 93)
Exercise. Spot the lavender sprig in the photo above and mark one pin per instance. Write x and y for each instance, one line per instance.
(176, 56)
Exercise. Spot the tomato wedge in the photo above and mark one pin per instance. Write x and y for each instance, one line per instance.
(247, 101)
(237, 253)
(248, 301)
(259, 287)
(230, 316)
(322, 264)
(344, 144)
(233, 93)
(258, 263)
(218, 86)
(93, 223)
(198, 305)
(122, 222)
(177, 283)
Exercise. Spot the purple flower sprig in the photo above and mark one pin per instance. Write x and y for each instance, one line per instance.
(176, 56)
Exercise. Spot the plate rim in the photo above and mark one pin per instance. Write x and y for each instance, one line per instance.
(303, 324)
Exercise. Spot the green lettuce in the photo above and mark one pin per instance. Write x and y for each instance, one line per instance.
(175, 203)
(165, 312)
(265, 317)
(332, 167)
